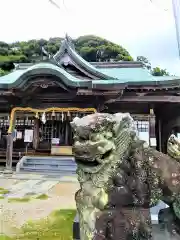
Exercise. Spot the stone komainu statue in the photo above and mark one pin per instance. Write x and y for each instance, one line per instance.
(121, 177)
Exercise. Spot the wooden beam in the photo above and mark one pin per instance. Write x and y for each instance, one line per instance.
(171, 99)
(90, 92)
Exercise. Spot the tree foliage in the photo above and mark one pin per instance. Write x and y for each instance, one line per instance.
(2, 72)
(91, 48)
(157, 71)
(145, 61)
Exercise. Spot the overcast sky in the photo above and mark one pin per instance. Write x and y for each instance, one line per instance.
(141, 27)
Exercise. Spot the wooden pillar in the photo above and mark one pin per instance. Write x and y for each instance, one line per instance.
(9, 152)
(152, 129)
(159, 135)
(36, 134)
(9, 147)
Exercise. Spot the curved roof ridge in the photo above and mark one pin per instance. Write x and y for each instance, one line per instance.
(68, 46)
(20, 77)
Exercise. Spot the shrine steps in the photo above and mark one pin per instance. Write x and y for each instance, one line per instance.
(61, 165)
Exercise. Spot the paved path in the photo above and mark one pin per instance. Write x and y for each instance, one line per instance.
(30, 187)
(21, 185)
(37, 176)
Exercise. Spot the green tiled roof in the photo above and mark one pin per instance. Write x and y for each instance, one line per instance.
(112, 75)
(124, 75)
(136, 75)
(129, 74)
(11, 77)
(19, 77)
(166, 78)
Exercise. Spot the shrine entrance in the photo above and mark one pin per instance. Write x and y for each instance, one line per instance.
(42, 131)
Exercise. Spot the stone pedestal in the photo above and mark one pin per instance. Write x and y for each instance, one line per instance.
(8, 171)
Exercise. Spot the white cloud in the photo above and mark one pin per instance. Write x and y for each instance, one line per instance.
(138, 25)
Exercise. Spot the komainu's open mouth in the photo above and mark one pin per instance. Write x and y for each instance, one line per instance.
(106, 154)
(87, 163)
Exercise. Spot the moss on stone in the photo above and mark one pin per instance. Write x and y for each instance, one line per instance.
(25, 199)
(42, 197)
(3, 237)
(3, 191)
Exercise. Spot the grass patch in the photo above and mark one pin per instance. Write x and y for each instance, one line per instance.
(3, 237)
(42, 197)
(56, 226)
(1, 197)
(25, 199)
(3, 191)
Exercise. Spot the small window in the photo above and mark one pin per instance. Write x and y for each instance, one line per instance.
(142, 126)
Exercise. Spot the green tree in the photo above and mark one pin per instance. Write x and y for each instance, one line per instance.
(155, 71)
(159, 72)
(92, 48)
(2, 72)
(145, 62)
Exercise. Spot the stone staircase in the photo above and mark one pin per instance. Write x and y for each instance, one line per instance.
(61, 165)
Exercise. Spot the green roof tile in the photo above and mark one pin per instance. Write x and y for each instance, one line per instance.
(128, 74)
(11, 77)
(118, 75)
(166, 78)
(18, 77)
(135, 75)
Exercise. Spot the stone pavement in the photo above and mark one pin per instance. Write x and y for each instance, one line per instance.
(24, 176)
(21, 185)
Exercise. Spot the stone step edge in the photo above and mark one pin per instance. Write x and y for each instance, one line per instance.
(51, 164)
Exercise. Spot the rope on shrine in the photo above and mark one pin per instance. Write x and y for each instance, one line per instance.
(52, 109)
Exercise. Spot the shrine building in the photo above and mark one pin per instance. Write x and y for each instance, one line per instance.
(38, 102)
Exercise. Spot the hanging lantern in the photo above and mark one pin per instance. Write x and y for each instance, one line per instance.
(53, 113)
(37, 115)
(43, 118)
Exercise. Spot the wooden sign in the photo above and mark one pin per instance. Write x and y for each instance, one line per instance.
(61, 150)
